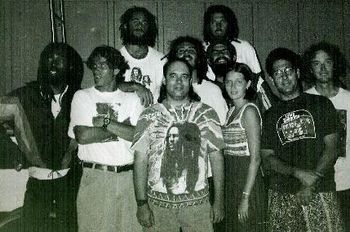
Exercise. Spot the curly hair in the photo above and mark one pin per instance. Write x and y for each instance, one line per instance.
(191, 94)
(75, 68)
(229, 15)
(201, 66)
(338, 58)
(114, 60)
(151, 33)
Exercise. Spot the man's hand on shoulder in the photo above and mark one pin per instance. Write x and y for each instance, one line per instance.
(145, 95)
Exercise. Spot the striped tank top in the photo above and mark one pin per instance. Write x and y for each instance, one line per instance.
(235, 137)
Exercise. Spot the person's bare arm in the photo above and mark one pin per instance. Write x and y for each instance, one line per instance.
(144, 213)
(88, 135)
(98, 133)
(123, 130)
(145, 95)
(329, 154)
(251, 123)
(217, 166)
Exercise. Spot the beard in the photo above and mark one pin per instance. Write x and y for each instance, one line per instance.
(57, 80)
(137, 40)
(220, 69)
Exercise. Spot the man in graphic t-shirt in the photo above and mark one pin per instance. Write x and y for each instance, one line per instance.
(138, 31)
(174, 140)
(299, 149)
(102, 122)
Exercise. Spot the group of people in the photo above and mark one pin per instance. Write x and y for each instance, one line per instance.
(192, 141)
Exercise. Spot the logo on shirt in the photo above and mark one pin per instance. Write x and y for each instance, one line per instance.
(296, 125)
(136, 76)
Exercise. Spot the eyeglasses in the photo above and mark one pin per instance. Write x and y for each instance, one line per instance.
(280, 72)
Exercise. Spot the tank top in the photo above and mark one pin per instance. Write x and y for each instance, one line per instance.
(235, 137)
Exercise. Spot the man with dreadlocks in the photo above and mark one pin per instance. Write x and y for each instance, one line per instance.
(49, 203)
(138, 31)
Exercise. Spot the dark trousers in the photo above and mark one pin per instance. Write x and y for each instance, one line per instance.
(344, 201)
(50, 205)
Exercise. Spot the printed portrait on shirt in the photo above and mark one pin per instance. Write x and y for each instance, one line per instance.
(136, 74)
(179, 165)
(138, 77)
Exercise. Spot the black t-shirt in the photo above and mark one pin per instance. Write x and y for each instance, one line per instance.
(295, 130)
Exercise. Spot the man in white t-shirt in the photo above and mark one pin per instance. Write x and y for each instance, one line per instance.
(138, 32)
(220, 23)
(325, 64)
(102, 122)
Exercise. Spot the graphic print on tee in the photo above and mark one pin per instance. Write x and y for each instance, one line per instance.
(296, 125)
(136, 76)
(108, 111)
(179, 164)
(342, 132)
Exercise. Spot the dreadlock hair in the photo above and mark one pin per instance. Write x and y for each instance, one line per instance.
(229, 15)
(201, 66)
(152, 31)
(74, 73)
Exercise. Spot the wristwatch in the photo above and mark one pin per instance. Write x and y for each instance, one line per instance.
(106, 122)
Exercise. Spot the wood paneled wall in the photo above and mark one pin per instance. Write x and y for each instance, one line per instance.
(267, 24)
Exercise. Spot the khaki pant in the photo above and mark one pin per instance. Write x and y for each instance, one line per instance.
(190, 219)
(106, 202)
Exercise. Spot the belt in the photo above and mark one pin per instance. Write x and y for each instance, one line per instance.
(110, 168)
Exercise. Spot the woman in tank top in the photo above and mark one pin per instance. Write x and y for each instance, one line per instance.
(244, 189)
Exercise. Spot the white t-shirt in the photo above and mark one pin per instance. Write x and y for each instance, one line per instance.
(342, 166)
(211, 95)
(245, 54)
(147, 71)
(120, 106)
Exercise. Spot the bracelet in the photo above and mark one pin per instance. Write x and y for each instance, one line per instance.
(141, 202)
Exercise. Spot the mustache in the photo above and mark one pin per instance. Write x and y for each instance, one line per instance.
(222, 58)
